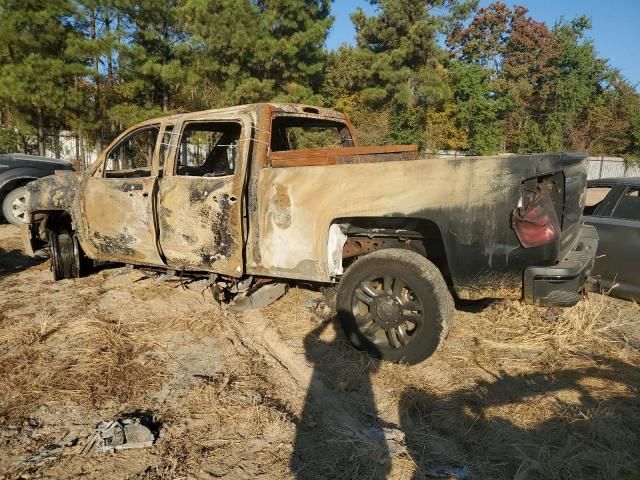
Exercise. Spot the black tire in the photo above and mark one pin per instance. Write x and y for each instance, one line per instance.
(65, 255)
(395, 304)
(14, 206)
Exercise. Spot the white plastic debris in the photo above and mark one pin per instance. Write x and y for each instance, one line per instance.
(116, 435)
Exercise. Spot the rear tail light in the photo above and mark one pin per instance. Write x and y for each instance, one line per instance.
(537, 224)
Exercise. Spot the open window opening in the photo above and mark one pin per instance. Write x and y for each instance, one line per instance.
(209, 149)
(295, 133)
(132, 157)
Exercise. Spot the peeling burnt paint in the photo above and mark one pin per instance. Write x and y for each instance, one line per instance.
(117, 222)
(198, 226)
(470, 200)
(119, 245)
(53, 192)
(281, 206)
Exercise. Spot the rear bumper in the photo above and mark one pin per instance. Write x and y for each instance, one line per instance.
(562, 284)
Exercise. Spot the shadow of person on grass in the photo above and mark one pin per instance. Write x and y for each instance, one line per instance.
(339, 434)
(585, 436)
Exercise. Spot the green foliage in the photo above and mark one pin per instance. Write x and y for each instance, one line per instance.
(247, 51)
(406, 126)
(37, 78)
(479, 109)
(9, 140)
(400, 44)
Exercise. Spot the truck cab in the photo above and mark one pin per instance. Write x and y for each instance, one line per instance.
(268, 193)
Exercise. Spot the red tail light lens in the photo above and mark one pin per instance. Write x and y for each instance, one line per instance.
(538, 224)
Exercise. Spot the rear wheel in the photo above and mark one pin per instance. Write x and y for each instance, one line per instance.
(395, 304)
(14, 206)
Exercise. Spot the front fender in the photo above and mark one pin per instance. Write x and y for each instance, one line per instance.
(55, 192)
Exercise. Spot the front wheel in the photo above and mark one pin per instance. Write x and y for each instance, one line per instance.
(14, 206)
(395, 304)
(67, 258)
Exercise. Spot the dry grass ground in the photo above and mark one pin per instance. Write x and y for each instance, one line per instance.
(516, 392)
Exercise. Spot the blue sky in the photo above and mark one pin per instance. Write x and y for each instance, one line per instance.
(615, 32)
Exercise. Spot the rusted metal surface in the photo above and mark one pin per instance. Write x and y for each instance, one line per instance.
(197, 228)
(341, 155)
(116, 220)
(356, 246)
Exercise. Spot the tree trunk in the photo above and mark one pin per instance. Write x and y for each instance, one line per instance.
(40, 133)
(165, 60)
(107, 27)
(83, 155)
(96, 76)
(56, 144)
(77, 142)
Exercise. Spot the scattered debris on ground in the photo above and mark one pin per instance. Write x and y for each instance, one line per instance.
(123, 434)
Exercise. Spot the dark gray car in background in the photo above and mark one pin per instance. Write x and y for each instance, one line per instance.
(16, 170)
(613, 207)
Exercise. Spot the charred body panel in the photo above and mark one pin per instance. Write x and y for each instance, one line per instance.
(197, 228)
(118, 221)
(52, 195)
(469, 200)
(55, 192)
(201, 220)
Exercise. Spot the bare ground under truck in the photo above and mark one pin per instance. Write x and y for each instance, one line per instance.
(258, 194)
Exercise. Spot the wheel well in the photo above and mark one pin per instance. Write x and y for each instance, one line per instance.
(58, 221)
(52, 220)
(15, 183)
(369, 234)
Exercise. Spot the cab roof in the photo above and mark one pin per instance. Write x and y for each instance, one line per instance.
(289, 108)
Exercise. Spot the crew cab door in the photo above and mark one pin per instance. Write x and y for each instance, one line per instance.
(200, 197)
(117, 201)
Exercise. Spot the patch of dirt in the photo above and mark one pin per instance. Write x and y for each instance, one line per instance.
(516, 392)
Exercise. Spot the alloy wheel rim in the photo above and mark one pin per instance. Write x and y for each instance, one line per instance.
(386, 310)
(19, 207)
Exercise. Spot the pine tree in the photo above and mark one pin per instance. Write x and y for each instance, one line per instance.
(98, 42)
(37, 77)
(151, 70)
(406, 59)
(246, 51)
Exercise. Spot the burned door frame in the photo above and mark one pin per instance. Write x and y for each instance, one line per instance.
(118, 218)
(201, 219)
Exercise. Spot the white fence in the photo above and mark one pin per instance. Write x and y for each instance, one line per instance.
(72, 149)
(607, 167)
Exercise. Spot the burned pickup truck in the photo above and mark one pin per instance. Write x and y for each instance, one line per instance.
(257, 195)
